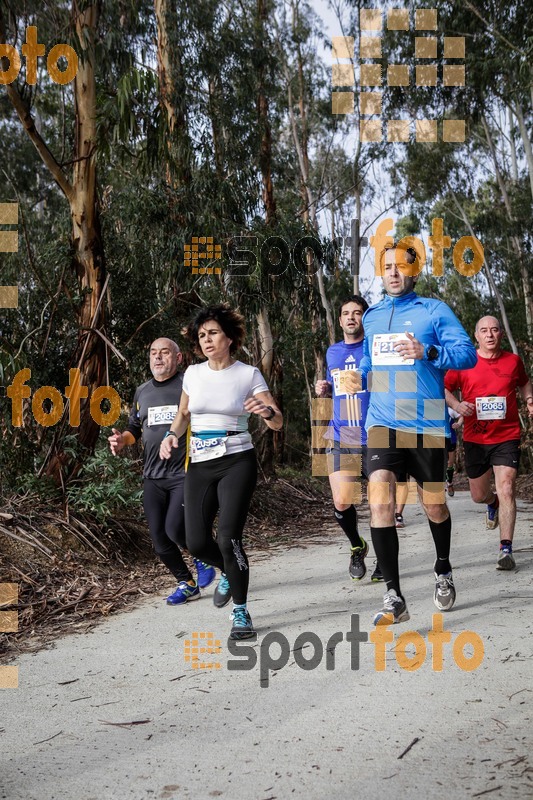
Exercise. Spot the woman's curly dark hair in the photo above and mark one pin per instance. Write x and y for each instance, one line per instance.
(231, 322)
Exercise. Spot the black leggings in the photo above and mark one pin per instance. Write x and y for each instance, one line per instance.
(163, 506)
(225, 485)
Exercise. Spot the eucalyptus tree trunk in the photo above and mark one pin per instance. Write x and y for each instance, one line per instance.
(88, 262)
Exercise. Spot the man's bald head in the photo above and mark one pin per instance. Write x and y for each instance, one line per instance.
(488, 335)
(165, 357)
(488, 321)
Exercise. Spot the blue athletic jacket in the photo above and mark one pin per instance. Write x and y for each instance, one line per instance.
(411, 396)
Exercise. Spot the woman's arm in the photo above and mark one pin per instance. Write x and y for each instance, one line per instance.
(258, 404)
(178, 427)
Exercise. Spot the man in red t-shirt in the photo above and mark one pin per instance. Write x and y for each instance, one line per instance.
(492, 428)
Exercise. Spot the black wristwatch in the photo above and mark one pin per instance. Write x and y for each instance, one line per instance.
(170, 433)
(271, 415)
(432, 353)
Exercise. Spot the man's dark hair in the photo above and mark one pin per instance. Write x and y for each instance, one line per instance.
(410, 253)
(231, 322)
(355, 298)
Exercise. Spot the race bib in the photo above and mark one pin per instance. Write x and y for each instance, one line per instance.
(161, 415)
(383, 351)
(206, 449)
(339, 381)
(491, 407)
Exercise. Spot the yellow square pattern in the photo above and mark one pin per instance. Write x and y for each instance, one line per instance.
(9, 594)
(426, 19)
(453, 130)
(398, 130)
(453, 75)
(426, 75)
(398, 19)
(426, 130)
(371, 103)
(370, 74)
(322, 409)
(9, 296)
(454, 47)
(9, 677)
(370, 130)
(370, 19)
(398, 75)
(370, 47)
(342, 46)
(342, 103)
(9, 213)
(342, 75)
(425, 47)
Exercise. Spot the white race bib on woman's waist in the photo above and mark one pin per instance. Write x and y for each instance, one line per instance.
(206, 449)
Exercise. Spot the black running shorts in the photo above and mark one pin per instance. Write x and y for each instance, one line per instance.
(425, 462)
(346, 459)
(479, 458)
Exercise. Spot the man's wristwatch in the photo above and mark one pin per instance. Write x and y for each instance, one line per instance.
(271, 415)
(170, 433)
(432, 353)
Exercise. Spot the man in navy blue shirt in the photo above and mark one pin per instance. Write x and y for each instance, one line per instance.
(346, 435)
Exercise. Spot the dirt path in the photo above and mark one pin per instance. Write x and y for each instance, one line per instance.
(119, 712)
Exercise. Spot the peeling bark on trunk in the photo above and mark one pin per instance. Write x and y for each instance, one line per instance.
(172, 91)
(88, 254)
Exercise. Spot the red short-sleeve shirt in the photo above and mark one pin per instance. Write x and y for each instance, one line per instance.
(491, 386)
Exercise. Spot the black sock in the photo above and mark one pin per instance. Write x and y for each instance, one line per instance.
(495, 503)
(348, 522)
(386, 547)
(449, 474)
(442, 535)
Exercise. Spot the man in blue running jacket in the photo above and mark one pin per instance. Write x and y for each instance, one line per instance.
(410, 342)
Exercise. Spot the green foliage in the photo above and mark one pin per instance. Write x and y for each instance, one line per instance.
(106, 486)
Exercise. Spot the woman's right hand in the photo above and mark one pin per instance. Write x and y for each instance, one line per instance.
(165, 449)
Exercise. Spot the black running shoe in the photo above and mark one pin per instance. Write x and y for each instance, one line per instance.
(222, 594)
(242, 625)
(357, 568)
(377, 575)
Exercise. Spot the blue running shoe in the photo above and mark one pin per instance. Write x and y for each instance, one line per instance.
(242, 625)
(206, 574)
(183, 594)
(222, 594)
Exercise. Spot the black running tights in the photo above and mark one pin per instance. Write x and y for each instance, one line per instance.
(163, 506)
(225, 485)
